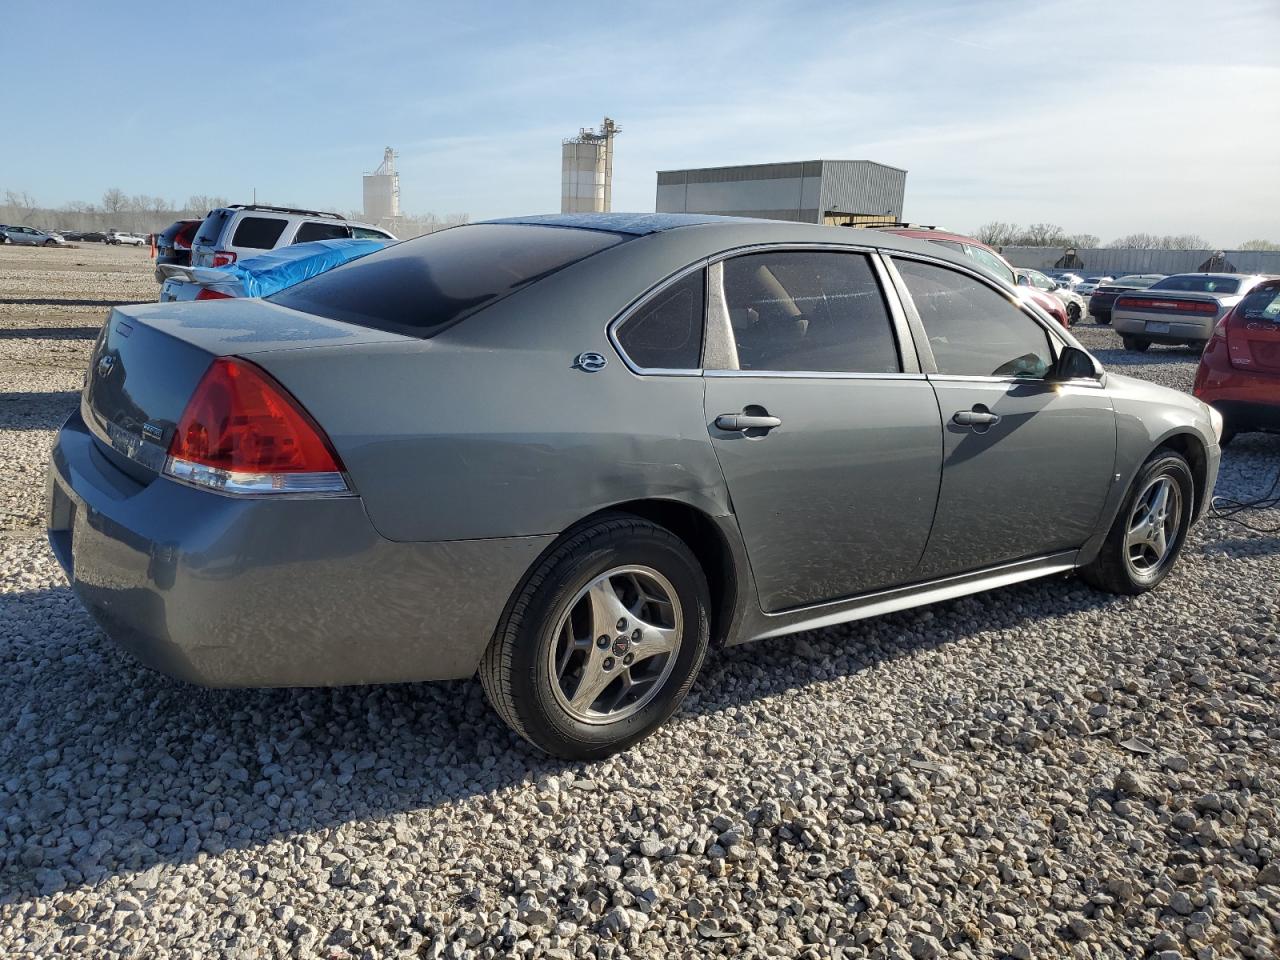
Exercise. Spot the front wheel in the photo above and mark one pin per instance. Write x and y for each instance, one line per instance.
(1073, 313)
(51, 243)
(1147, 536)
(603, 641)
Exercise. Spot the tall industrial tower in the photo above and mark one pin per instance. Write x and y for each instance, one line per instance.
(586, 181)
(382, 190)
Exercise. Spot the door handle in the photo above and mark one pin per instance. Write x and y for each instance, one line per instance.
(745, 421)
(975, 418)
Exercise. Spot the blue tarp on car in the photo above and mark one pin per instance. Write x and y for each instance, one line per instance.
(275, 270)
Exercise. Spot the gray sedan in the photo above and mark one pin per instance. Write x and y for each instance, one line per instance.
(573, 454)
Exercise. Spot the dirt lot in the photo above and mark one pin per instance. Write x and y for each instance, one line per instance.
(1042, 771)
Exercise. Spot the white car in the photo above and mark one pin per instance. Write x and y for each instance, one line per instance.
(128, 239)
(30, 236)
(232, 233)
(1091, 283)
(1076, 305)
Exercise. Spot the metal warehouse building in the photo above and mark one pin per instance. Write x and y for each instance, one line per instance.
(810, 191)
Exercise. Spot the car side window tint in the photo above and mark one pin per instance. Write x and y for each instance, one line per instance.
(258, 233)
(321, 230)
(809, 310)
(973, 330)
(666, 332)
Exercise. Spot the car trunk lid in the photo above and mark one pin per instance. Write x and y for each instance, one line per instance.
(1253, 331)
(149, 358)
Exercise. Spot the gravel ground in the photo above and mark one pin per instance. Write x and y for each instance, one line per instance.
(1043, 771)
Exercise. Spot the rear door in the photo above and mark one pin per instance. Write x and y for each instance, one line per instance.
(828, 435)
(1027, 464)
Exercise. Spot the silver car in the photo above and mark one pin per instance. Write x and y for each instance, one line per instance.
(572, 454)
(1180, 309)
(32, 237)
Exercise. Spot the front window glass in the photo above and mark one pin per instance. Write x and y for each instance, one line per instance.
(809, 311)
(973, 330)
(991, 262)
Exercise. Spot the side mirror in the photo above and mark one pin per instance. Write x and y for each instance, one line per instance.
(1074, 364)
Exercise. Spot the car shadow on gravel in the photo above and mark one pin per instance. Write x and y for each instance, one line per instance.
(36, 410)
(50, 333)
(107, 768)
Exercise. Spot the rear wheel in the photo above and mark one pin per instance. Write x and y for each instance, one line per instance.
(603, 641)
(1147, 536)
(1104, 319)
(1140, 344)
(1073, 313)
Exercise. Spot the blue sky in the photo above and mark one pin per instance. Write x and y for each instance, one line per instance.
(1105, 118)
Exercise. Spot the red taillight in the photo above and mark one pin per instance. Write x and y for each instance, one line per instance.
(223, 258)
(242, 432)
(1203, 307)
(208, 293)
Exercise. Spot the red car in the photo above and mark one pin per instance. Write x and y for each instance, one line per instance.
(1239, 372)
(992, 261)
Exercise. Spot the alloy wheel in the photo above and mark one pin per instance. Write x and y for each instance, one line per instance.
(616, 644)
(1153, 526)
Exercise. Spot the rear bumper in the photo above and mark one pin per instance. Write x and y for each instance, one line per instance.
(261, 592)
(1179, 331)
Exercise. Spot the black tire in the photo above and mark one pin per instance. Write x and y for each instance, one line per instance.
(1105, 319)
(51, 243)
(1073, 314)
(1228, 434)
(515, 670)
(1110, 569)
(1140, 344)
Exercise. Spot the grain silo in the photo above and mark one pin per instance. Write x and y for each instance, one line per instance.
(586, 171)
(382, 190)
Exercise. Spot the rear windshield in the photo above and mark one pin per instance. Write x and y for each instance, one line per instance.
(211, 229)
(1263, 303)
(421, 286)
(1133, 283)
(1197, 284)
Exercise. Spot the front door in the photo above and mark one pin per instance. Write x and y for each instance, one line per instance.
(831, 452)
(1027, 463)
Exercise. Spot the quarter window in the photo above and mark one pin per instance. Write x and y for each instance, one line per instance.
(258, 233)
(666, 332)
(814, 311)
(973, 330)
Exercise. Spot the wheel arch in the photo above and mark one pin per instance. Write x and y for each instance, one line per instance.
(1192, 449)
(707, 538)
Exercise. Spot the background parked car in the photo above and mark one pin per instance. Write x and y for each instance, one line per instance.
(980, 253)
(1239, 372)
(1104, 295)
(1074, 303)
(229, 233)
(30, 236)
(121, 237)
(1181, 309)
(1090, 283)
(264, 274)
(174, 245)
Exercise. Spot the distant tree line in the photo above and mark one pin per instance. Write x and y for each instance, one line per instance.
(145, 214)
(1000, 234)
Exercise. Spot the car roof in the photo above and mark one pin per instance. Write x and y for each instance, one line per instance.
(1225, 276)
(717, 232)
(635, 224)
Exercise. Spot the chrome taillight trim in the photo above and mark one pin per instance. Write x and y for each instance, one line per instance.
(244, 483)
